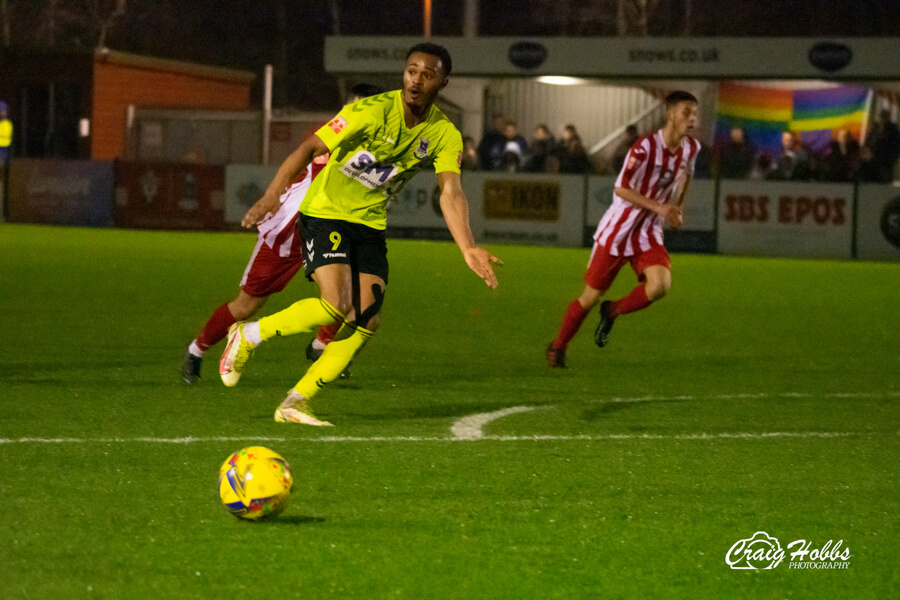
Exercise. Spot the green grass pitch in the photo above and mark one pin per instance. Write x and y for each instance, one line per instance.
(629, 475)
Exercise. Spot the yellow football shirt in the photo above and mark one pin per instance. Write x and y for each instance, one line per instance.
(373, 154)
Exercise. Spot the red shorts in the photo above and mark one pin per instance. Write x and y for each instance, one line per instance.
(268, 272)
(603, 266)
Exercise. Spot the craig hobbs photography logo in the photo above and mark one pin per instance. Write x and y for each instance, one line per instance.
(763, 551)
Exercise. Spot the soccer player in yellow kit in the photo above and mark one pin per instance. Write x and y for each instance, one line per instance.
(376, 145)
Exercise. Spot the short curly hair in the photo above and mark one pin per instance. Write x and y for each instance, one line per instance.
(434, 50)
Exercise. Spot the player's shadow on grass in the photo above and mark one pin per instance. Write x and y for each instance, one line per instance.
(606, 408)
(297, 520)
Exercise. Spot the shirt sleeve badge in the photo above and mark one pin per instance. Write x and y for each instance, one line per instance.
(337, 125)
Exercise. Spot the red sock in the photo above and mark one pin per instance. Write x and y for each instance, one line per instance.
(634, 301)
(216, 328)
(326, 333)
(573, 319)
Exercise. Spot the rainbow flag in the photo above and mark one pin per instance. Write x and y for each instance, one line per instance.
(764, 113)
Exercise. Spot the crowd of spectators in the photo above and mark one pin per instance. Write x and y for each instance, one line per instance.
(845, 159)
(504, 148)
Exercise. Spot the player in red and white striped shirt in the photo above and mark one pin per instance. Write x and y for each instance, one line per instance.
(275, 260)
(649, 193)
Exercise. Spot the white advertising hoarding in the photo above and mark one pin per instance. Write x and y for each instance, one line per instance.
(700, 206)
(525, 208)
(770, 218)
(244, 185)
(630, 56)
(599, 198)
(418, 204)
(878, 222)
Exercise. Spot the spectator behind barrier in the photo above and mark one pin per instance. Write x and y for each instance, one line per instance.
(736, 159)
(868, 169)
(792, 147)
(469, 160)
(573, 157)
(492, 145)
(762, 164)
(884, 144)
(515, 144)
(842, 160)
(784, 169)
(543, 145)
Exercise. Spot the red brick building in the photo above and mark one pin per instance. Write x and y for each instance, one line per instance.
(76, 105)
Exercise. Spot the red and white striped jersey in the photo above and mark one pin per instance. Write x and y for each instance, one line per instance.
(656, 173)
(277, 231)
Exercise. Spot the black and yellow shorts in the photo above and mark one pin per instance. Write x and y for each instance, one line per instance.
(331, 241)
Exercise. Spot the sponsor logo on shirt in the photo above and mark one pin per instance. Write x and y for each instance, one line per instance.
(337, 125)
(366, 169)
(637, 156)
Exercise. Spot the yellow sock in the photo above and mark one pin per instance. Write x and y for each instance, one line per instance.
(334, 360)
(300, 317)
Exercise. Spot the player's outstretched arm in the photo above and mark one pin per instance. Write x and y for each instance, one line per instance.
(456, 213)
(292, 166)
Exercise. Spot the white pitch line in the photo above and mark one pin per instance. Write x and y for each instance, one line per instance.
(483, 438)
(749, 397)
(682, 436)
(469, 428)
(150, 440)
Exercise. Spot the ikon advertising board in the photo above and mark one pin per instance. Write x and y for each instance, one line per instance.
(767, 218)
(519, 208)
(503, 208)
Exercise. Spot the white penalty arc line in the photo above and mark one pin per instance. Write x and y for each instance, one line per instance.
(469, 428)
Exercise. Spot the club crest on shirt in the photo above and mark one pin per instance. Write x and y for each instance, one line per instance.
(337, 124)
(665, 178)
(422, 151)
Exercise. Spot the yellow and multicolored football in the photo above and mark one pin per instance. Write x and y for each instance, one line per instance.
(255, 483)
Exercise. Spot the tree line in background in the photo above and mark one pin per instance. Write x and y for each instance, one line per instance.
(248, 34)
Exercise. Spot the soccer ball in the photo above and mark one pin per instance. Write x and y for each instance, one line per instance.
(255, 483)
